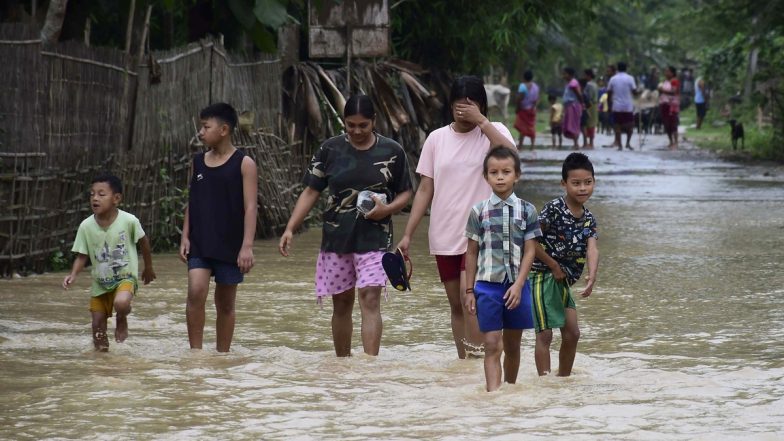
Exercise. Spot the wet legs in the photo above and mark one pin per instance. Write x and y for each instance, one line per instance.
(570, 335)
(464, 324)
(122, 306)
(343, 324)
(225, 297)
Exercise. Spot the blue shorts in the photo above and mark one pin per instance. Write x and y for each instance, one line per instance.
(225, 273)
(493, 314)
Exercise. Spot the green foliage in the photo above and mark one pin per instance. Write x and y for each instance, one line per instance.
(171, 215)
(469, 36)
(59, 260)
(260, 18)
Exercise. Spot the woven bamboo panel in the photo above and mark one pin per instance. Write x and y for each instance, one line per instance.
(74, 111)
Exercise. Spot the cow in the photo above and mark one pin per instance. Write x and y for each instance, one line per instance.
(498, 97)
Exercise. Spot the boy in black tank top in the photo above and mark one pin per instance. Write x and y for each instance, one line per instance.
(219, 225)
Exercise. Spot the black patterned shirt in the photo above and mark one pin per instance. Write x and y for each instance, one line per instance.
(565, 238)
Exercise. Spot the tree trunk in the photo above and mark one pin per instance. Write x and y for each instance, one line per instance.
(750, 72)
(53, 25)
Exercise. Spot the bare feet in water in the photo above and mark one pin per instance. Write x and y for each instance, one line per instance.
(101, 341)
(121, 332)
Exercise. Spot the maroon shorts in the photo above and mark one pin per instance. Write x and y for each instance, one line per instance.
(623, 119)
(449, 267)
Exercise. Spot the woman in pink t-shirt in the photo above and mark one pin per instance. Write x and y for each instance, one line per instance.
(451, 182)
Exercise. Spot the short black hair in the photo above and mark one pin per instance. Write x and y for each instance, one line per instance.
(589, 73)
(222, 112)
(528, 75)
(114, 182)
(569, 71)
(621, 66)
(576, 161)
(359, 105)
(502, 152)
(471, 87)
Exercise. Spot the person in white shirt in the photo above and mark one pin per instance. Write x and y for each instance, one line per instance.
(621, 90)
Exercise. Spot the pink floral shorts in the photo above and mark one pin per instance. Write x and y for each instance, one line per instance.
(336, 273)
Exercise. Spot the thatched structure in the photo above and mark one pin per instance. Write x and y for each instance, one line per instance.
(70, 111)
(409, 101)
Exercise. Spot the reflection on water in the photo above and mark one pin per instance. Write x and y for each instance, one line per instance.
(682, 339)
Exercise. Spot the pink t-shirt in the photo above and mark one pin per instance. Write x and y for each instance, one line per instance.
(454, 161)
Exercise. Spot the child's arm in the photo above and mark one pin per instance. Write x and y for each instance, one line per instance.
(471, 257)
(78, 266)
(592, 256)
(307, 199)
(148, 274)
(422, 199)
(555, 268)
(512, 295)
(185, 241)
(250, 189)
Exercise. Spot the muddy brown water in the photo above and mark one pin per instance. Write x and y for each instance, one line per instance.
(683, 337)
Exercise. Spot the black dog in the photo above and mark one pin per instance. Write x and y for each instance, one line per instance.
(736, 129)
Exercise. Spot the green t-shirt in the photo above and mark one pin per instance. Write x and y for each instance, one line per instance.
(112, 250)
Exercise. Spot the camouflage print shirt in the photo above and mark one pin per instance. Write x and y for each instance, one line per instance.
(346, 171)
(565, 238)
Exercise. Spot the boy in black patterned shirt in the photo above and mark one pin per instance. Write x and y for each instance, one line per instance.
(569, 238)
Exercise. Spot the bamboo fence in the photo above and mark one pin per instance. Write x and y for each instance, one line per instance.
(71, 111)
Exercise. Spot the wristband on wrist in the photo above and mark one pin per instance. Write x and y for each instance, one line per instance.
(469, 289)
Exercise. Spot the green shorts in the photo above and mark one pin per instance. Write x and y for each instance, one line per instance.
(550, 300)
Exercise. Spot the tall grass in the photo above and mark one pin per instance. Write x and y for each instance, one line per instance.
(715, 134)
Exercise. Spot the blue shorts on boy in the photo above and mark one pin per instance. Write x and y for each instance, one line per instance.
(500, 228)
(492, 313)
(225, 273)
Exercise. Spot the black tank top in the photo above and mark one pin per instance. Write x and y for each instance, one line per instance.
(216, 212)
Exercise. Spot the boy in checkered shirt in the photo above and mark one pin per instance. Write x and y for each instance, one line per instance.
(502, 236)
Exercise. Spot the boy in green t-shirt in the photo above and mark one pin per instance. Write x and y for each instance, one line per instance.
(109, 238)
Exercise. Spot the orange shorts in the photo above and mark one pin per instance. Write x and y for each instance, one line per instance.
(105, 302)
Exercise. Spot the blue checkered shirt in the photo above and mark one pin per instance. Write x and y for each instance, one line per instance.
(501, 228)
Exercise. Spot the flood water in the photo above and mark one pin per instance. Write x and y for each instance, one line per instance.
(682, 339)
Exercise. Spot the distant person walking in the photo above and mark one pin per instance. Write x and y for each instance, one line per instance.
(652, 80)
(556, 117)
(669, 105)
(527, 100)
(687, 88)
(621, 90)
(572, 107)
(700, 101)
(591, 94)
